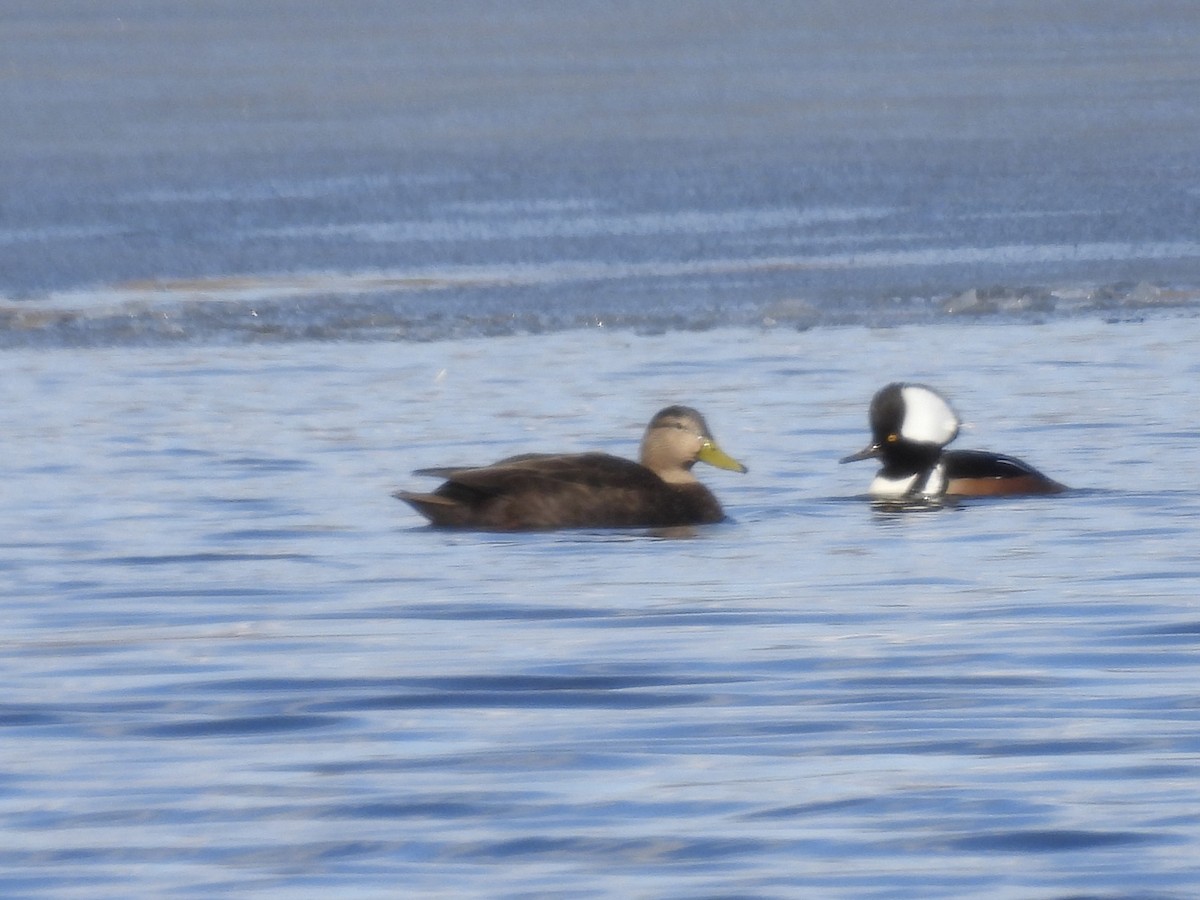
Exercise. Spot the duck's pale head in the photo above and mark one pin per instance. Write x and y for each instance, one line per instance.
(676, 439)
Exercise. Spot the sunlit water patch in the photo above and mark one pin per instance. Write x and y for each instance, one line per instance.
(235, 663)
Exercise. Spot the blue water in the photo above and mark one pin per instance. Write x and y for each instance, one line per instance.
(257, 264)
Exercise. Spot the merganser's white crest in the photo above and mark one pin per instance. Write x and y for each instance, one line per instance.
(928, 418)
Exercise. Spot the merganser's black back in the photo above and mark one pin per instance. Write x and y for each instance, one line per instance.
(981, 473)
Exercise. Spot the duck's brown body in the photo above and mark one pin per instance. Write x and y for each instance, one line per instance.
(585, 490)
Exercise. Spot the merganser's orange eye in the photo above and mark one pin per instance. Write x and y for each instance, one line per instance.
(892, 438)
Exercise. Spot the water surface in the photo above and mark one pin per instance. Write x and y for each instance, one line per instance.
(236, 664)
(257, 263)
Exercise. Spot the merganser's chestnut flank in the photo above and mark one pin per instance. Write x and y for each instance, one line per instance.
(586, 490)
(911, 424)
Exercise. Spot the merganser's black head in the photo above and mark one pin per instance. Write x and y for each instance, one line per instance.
(910, 424)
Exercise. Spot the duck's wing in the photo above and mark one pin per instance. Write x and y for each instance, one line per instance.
(549, 472)
(526, 460)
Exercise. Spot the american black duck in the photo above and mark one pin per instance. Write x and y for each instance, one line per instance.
(586, 490)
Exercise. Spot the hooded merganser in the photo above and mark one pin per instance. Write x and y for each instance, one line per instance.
(910, 426)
